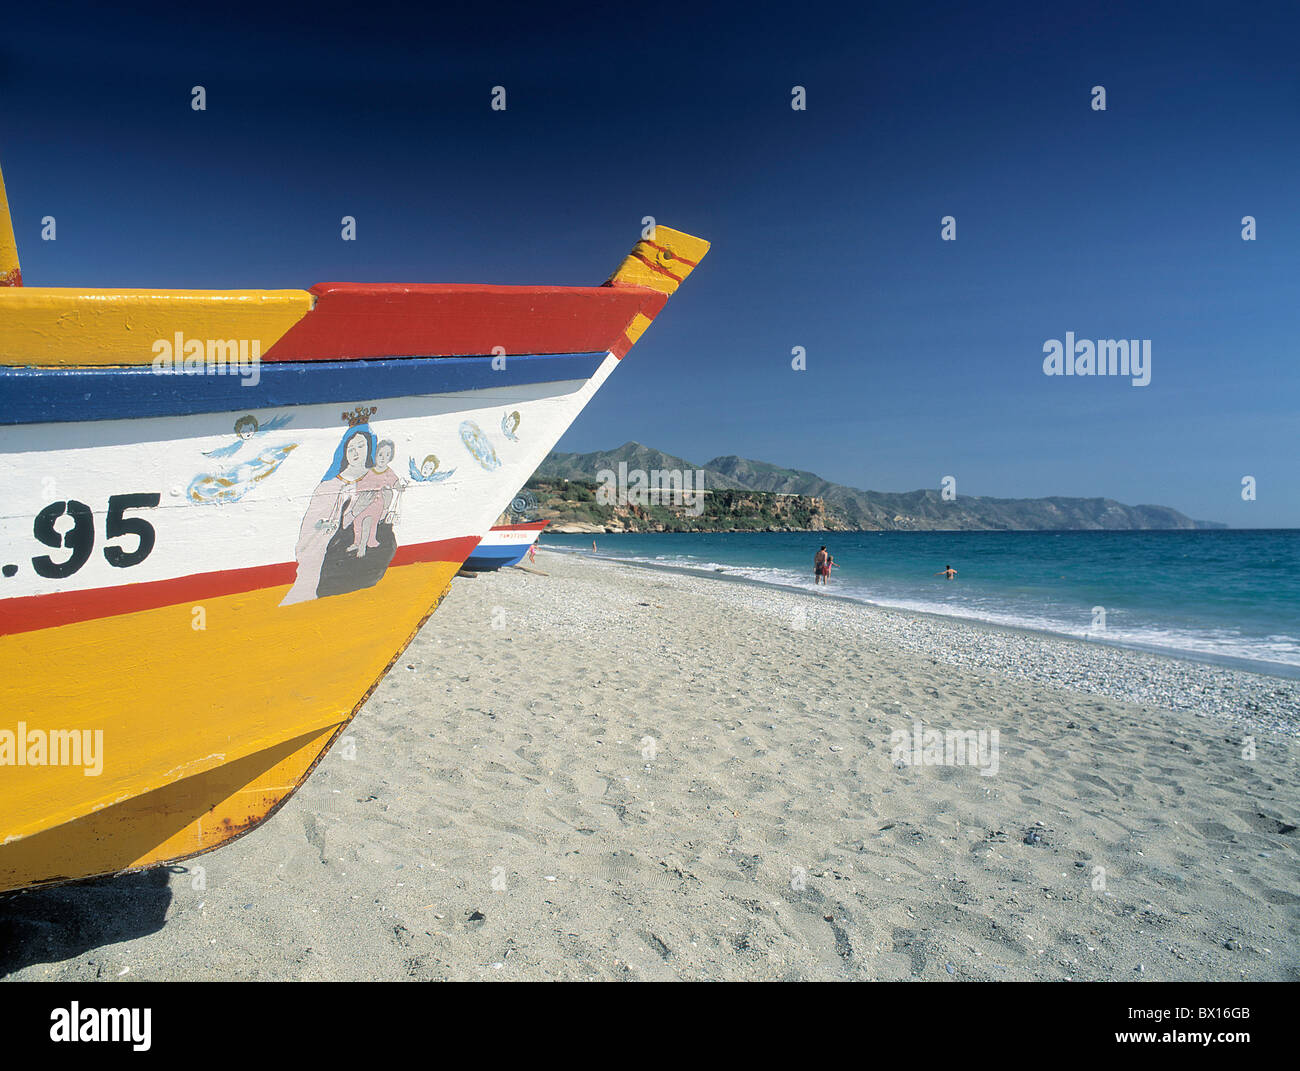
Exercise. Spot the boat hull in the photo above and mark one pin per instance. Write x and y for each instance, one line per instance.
(215, 547)
(504, 545)
(218, 676)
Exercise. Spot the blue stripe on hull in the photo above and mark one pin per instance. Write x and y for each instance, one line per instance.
(484, 560)
(52, 395)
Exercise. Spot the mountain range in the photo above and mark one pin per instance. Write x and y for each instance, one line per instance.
(850, 507)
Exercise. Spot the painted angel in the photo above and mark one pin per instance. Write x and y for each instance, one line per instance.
(428, 471)
(230, 485)
(248, 461)
(248, 429)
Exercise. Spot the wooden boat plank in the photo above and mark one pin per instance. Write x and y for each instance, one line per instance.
(353, 320)
(72, 395)
(84, 326)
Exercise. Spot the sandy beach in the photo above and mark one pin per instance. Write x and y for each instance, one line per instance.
(612, 772)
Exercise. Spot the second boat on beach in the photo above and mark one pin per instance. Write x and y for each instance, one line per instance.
(504, 545)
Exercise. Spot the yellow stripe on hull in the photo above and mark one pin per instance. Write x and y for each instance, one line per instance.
(662, 263)
(54, 326)
(193, 815)
(204, 732)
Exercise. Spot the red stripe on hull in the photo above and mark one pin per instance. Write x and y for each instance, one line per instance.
(34, 612)
(665, 249)
(620, 348)
(359, 320)
(657, 267)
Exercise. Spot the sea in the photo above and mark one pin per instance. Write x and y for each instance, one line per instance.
(1224, 596)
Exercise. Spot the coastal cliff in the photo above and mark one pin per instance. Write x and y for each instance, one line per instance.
(744, 495)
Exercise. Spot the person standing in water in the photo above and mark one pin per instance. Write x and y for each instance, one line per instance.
(947, 571)
(820, 566)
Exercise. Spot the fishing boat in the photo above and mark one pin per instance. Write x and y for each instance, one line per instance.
(505, 544)
(226, 513)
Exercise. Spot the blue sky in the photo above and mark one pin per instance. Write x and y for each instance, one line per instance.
(924, 356)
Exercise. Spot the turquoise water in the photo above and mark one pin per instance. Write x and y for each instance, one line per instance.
(1211, 595)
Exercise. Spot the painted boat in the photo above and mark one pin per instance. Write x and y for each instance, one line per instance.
(505, 544)
(226, 513)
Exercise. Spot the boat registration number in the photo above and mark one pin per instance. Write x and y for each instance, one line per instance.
(77, 542)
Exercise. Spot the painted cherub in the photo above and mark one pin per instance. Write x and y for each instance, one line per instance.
(246, 461)
(510, 425)
(428, 470)
(376, 500)
(246, 428)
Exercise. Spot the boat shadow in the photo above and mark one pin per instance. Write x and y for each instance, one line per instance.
(57, 923)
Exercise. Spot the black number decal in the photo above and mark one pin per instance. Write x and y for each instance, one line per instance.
(116, 525)
(80, 541)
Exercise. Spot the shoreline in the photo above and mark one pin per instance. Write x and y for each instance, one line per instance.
(1231, 682)
(1231, 663)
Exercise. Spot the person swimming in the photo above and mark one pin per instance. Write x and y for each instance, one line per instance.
(947, 571)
